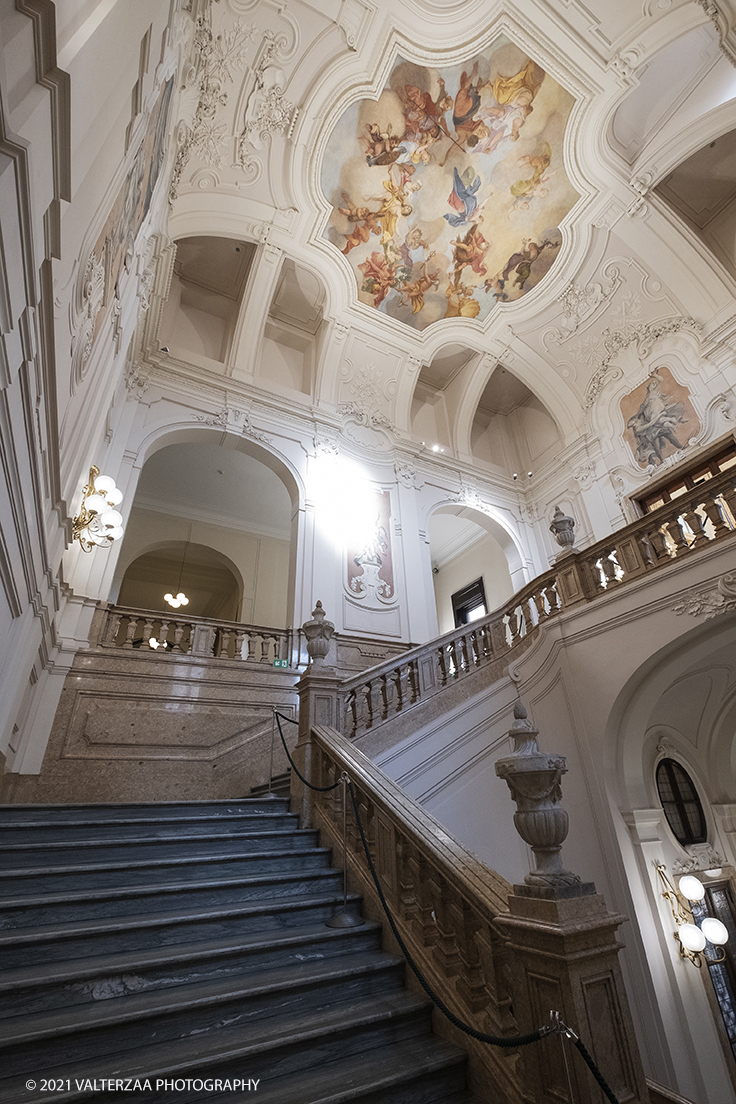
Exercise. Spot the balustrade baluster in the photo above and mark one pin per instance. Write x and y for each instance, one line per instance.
(526, 613)
(163, 634)
(265, 648)
(676, 539)
(728, 494)
(716, 516)
(387, 693)
(351, 711)
(513, 627)
(132, 625)
(609, 570)
(443, 665)
(113, 627)
(416, 690)
(239, 638)
(658, 544)
(695, 523)
(225, 635)
(147, 630)
(403, 689)
(178, 634)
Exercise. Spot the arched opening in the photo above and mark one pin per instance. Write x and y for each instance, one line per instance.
(465, 546)
(434, 402)
(512, 429)
(230, 513)
(209, 580)
(207, 286)
(290, 348)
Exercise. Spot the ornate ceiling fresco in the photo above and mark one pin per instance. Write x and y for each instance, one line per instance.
(448, 191)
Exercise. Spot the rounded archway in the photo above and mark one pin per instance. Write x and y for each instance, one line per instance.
(466, 546)
(210, 581)
(227, 502)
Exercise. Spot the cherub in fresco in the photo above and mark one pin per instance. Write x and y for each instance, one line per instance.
(414, 290)
(463, 197)
(469, 252)
(461, 302)
(654, 422)
(522, 262)
(538, 163)
(381, 147)
(423, 114)
(378, 277)
(366, 223)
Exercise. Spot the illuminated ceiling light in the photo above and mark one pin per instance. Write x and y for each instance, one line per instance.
(153, 643)
(180, 599)
(97, 524)
(692, 937)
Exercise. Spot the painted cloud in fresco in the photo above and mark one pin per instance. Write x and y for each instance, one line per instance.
(447, 191)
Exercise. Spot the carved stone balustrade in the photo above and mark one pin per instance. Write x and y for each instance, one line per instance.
(153, 631)
(674, 531)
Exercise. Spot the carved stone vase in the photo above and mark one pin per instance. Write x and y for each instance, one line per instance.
(319, 634)
(533, 778)
(563, 530)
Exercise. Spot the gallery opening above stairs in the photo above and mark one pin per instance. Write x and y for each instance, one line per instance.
(184, 946)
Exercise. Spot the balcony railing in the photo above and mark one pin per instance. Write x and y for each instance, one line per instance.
(672, 533)
(154, 631)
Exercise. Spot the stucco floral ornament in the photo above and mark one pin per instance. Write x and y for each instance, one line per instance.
(707, 602)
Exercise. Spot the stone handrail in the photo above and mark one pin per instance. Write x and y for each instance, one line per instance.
(669, 534)
(128, 628)
(441, 897)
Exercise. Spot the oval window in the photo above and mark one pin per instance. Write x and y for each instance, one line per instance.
(681, 803)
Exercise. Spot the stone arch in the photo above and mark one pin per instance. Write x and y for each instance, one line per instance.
(164, 436)
(503, 536)
(178, 547)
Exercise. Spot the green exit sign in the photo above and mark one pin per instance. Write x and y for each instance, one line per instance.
(281, 663)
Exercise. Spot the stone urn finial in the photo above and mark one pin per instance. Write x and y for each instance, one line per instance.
(534, 780)
(563, 530)
(318, 632)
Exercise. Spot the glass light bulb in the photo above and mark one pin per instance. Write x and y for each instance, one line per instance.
(714, 931)
(103, 484)
(111, 518)
(691, 937)
(96, 504)
(692, 888)
(116, 532)
(152, 642)
(114, 497)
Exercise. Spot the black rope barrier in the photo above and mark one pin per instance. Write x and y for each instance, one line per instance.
(556, 1026)
(320, 789)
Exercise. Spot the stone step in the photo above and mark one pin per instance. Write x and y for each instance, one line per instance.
(25, 911)
(42, 987)
(148, 827)
(58, 814)
(54, 879)
(45, 854)
(296, 1020)
(373, 1066)
(94, 937)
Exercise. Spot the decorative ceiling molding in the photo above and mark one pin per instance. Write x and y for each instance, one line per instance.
(643, 336)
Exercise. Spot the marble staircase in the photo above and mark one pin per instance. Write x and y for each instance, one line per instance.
(183, 946)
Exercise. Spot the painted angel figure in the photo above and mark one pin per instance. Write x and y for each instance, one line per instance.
(463, 198)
